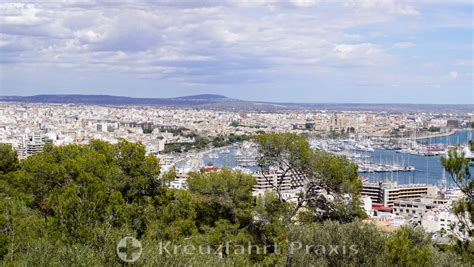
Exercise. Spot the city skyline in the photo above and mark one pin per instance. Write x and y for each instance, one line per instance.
(300, 51)
(236, 132)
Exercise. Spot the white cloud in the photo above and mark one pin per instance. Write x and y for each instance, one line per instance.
(206, 40)
(403, 45)
(453, 74)
(464, 63)
(304, 3)
(20, 14)
(397, 7)
(349, 51)
(201, 41)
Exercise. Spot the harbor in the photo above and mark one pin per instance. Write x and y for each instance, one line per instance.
(375, 163)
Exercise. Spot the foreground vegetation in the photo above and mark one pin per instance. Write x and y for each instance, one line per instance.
(201, 143)
(70, 206)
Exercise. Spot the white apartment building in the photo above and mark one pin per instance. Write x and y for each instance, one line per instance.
(181, 182)
(439, 219)
(416, 209)
(387, 192)
(269, 181)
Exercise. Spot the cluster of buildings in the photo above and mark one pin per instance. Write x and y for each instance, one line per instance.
(423, 205)
(388, 204)
(394, 204)
(29, 126)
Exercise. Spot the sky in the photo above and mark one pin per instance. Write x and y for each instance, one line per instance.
(312, 51)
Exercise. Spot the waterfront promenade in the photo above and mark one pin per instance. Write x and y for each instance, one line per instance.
(434, 135)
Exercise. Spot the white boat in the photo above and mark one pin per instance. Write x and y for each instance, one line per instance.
(213, 155)
(225, 151)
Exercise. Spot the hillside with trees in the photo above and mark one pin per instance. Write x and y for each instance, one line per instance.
(70, 205)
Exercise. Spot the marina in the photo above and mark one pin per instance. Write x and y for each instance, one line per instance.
(375, 164)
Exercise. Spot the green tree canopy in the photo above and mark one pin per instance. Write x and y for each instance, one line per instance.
(70, 206)
(225, 194)
(458, 167)
(328, 184)
(8, 158)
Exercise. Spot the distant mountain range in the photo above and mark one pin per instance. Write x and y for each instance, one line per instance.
(211, 101)
(117, 100)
